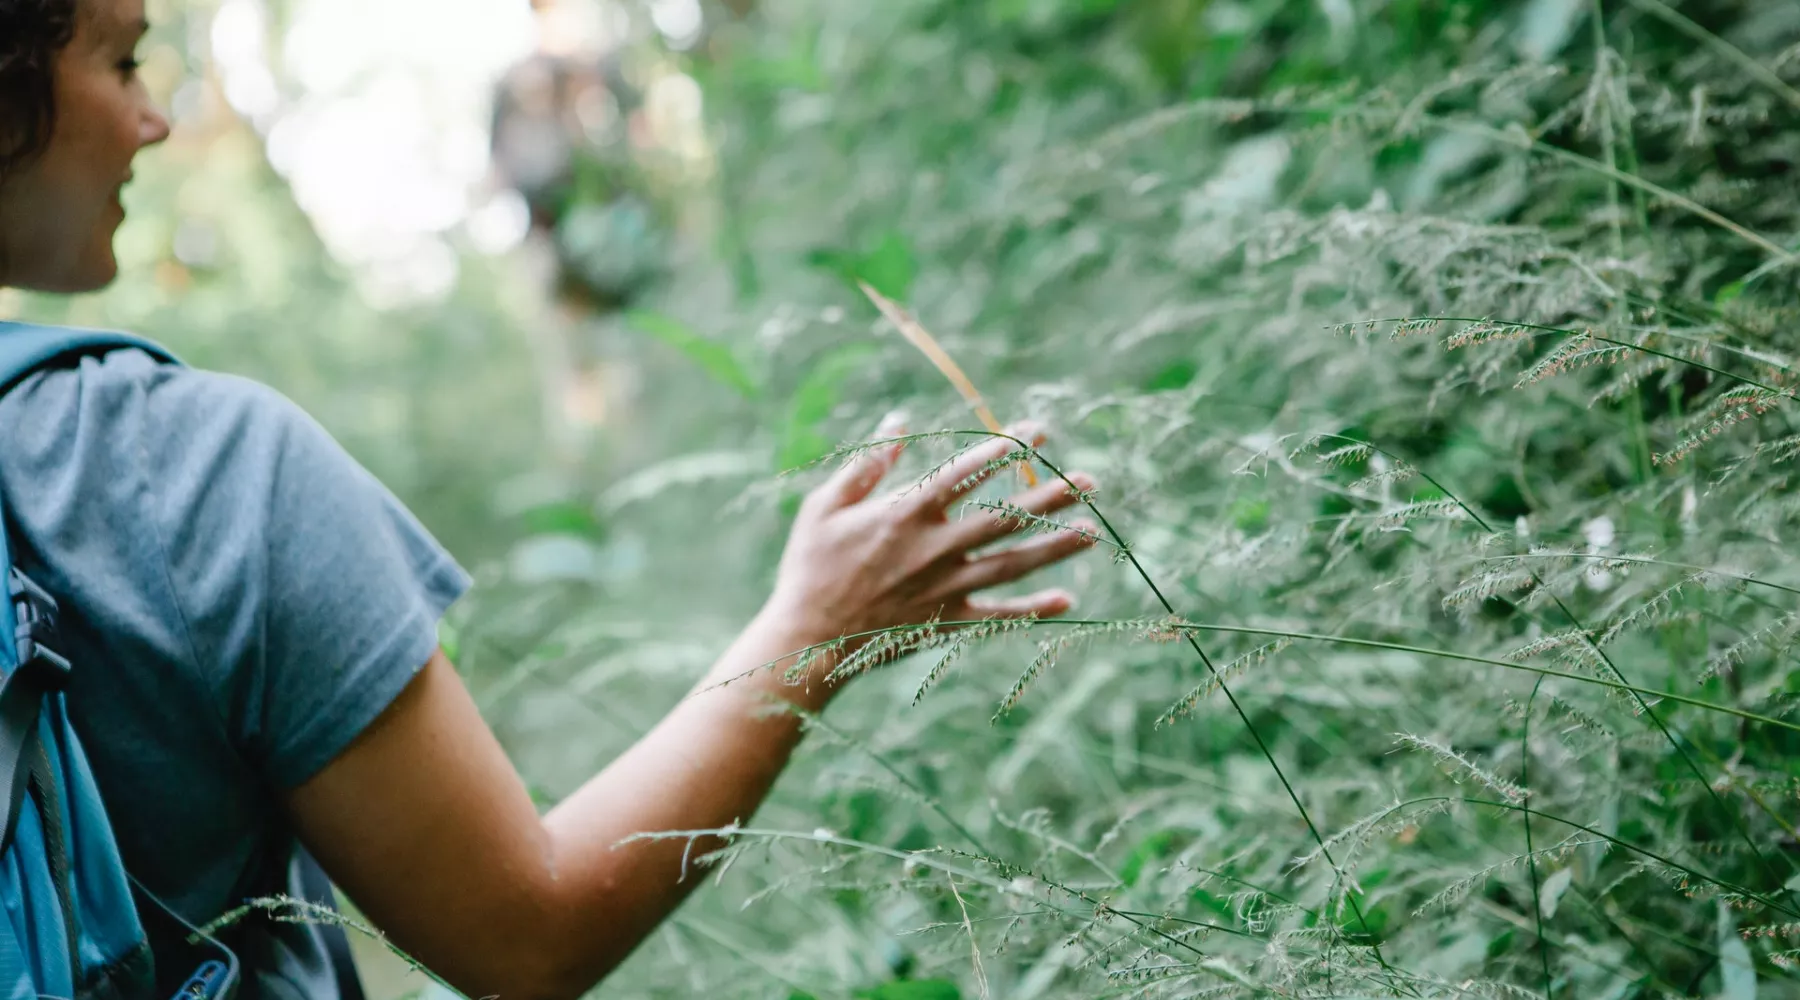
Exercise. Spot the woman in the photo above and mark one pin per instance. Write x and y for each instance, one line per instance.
(253, 617)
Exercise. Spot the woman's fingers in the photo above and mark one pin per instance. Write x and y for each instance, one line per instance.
(982, 526)
(967, 470)
(864, 471)
(1043, 604)
(1021, 560)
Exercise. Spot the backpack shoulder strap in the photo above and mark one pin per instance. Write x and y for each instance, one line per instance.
(26, 347)
(32, 670)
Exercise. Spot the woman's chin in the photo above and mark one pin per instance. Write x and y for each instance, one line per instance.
(91, 276)
(98, 267)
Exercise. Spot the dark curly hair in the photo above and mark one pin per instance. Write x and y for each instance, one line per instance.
(32, 32)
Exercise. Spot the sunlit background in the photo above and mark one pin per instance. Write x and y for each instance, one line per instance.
(381, 115)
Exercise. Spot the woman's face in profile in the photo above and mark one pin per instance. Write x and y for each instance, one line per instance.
(58, 214)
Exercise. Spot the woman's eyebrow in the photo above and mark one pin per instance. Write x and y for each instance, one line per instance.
(124, 30)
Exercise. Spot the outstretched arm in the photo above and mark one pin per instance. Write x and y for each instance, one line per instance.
(425, 824)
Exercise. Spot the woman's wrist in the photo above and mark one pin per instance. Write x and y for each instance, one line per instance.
(768, 649)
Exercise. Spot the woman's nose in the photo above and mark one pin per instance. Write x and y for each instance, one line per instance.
(153, 128)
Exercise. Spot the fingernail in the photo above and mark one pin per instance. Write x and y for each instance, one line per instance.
(1027, 430)
(894, 422)
(1083, 482)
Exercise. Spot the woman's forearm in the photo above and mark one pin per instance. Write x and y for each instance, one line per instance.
(427, 825)
(710, 762)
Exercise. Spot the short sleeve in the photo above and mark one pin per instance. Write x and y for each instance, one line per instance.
(310, 596)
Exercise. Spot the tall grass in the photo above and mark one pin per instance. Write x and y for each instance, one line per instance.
(1437, 364)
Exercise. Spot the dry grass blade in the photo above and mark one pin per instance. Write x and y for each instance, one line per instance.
(916, 335)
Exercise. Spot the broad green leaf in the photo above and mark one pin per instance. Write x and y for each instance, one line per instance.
(889, 267)
(1175, 375)
(562, 518)
(450, 639)
(714, 357)
(802, 439)
(1250, 513)
(913, 989)
(1737, 972)
(1551, 892)
(1149, 849)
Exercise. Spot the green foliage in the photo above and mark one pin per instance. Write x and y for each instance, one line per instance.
(1436, 360)
(912, 989)
(803, 437)
(888, 266)
(1492, 586)
(715, 358)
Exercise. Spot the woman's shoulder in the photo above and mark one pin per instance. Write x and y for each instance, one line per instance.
(129, 381)
(136, 406)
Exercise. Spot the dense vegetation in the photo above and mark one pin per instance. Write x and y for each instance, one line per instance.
(1436, 359)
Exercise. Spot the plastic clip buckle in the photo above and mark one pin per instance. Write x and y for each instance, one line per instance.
(34, 611)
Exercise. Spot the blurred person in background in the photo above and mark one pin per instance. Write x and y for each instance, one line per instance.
(253, 618)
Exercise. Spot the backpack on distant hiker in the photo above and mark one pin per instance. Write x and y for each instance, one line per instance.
(75, 925)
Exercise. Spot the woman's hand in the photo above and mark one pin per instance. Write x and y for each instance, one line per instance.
(504, 902)
(858, 561)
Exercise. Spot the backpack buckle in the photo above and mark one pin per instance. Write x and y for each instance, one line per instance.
(34, 611)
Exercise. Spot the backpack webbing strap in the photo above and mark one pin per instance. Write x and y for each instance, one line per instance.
(24, 762)
(56, 843)
(39, 673)
(21, 696)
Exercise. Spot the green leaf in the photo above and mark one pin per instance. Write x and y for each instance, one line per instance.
(1149, 849)
(1551, 892)
(450, 640)
(913, 989)
(1371, 928)
(1250, 513)
(562, 518)
(802, 440)
(712, 356)
(889, 267)
(1737, 973)
(1175, 375)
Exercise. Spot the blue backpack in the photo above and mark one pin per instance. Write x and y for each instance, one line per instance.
(75, 923)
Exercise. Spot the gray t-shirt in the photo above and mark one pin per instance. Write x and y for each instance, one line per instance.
(240, 600)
